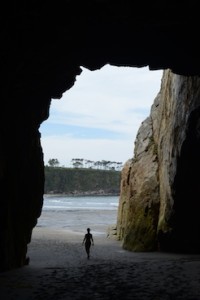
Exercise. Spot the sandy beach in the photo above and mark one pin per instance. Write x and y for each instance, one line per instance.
(59, 269)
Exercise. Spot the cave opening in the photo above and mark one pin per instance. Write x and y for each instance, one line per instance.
(42, 44)
(96, 120)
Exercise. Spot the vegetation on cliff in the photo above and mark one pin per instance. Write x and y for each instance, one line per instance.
(89, 164)
(59, 180)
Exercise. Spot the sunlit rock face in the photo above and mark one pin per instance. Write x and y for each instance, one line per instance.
(159, 202)
(139, 199)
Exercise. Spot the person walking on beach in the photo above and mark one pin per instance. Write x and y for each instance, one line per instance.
(88, 240)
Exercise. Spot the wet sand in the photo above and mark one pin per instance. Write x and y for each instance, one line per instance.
(59, 269)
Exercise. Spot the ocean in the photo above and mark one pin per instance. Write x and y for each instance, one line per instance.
(57, 203)
(76, 213)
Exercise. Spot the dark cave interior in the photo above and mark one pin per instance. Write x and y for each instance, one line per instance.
(43, 45)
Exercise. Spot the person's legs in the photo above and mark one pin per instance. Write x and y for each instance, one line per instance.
(87, 248)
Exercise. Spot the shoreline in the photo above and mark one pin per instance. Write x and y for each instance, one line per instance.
(82, 194)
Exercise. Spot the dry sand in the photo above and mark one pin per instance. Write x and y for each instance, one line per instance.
(59, 269)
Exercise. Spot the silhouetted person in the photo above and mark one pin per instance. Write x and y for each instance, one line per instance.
(88, 240)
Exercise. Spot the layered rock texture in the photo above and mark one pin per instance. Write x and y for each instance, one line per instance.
(159, 202)
(43, 46)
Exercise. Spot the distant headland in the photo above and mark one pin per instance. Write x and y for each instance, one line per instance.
(81, 181)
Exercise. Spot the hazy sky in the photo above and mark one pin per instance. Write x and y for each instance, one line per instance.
(98, 118)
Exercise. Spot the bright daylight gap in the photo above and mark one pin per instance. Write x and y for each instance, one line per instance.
(96, 120)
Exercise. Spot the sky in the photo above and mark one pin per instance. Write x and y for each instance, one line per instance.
(98, 118)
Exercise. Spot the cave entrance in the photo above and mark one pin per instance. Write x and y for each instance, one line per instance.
(95, 122)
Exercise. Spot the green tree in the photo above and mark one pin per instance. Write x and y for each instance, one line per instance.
(77, 162)
(53, 162)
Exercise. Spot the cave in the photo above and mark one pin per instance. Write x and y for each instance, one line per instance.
(43, 45)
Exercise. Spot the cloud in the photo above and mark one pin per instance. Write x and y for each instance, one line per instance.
(65, 148)
(104, 107)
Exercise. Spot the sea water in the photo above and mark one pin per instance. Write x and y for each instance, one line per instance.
(80, 202)
(76, 213)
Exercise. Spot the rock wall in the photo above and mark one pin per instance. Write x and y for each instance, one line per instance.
(21, 177)
(158, 207)
(24, 108)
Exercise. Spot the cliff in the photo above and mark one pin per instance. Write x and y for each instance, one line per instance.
(81, 181)
(158, 206)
